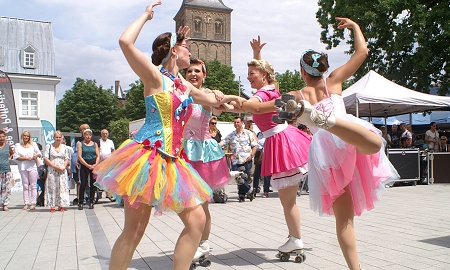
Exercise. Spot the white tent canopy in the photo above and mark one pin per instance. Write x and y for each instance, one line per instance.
(373, 95)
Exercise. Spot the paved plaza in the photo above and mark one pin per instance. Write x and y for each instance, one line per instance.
(408, 229)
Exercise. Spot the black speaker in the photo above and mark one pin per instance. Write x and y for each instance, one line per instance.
(406, 162)
(440, 163)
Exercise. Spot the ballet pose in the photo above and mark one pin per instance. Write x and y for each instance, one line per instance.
(147, 171)
(347, 164)
(203, 152)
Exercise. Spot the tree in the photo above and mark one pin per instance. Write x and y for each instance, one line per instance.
(221, 77)
(87, 103)
(118, 131)
(407, 39)
(289, 81)
(135, 105)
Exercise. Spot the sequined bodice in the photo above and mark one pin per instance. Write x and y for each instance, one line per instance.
(198, 126)
(161, 122)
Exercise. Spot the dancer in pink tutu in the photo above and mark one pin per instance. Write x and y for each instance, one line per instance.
(285, 149)
(347, 164)
(202, 151)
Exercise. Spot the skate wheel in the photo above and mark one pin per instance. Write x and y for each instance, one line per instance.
(279, 103)
(193, 266)
(291, 105)
(303, 256)
(284, 257)
(286, 97)
(286, 115)
(299, 259)
(205, 263)
(277, 119)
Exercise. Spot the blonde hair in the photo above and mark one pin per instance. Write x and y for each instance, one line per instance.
(29, 138)
(59, 132)
(214, 129)
(263, 66)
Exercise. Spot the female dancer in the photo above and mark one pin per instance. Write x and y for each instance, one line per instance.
(202, 151)
(148, 171)
(285, 148)
(347, 164)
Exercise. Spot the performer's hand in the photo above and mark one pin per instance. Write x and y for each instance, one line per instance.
(256, 44)
(150, 11)
(184, 30)
(345, 23)
(219, 95)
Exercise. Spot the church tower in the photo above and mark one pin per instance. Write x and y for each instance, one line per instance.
(210, 24)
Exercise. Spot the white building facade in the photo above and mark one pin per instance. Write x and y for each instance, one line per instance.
(27, 56)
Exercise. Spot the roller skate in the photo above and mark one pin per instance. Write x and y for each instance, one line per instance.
(289, 109)
(201, 255)
(293, 246)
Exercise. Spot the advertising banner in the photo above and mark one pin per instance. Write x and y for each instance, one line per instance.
(8, 116)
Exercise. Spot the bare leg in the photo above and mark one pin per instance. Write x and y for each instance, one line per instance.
(363, 139)
(343, 212)
(136, 220)
(207, 230)
(194, 221)
(288, 198)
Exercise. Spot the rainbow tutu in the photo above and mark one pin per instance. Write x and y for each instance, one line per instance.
(138, 173)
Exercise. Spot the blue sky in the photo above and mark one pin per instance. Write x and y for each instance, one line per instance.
(86, 34)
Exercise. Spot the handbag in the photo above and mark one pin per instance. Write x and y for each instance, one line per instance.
(44, 170)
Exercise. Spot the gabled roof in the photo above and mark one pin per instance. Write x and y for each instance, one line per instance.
(218, 4)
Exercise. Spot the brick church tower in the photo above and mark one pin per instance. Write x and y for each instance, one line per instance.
(210, 24)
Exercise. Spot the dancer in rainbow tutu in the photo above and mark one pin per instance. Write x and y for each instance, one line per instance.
(149, 171)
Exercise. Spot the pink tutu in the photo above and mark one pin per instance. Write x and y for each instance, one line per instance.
(334, 164)
(214, 173)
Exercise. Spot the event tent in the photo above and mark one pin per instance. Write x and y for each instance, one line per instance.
(375, 96)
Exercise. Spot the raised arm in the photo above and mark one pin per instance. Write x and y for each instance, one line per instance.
(148, 72)
(345, 71)
(257, 47)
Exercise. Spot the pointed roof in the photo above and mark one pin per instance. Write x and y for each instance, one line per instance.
(217, 4)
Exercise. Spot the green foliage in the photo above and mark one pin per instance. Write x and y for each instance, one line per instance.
(407, 39)
(221, 77)
(87, 103)
(289, 81)
(135, 105)
(118, 131)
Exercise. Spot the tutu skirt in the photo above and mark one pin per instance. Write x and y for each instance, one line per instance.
(215, 173)
(335, 164)
(139, 174)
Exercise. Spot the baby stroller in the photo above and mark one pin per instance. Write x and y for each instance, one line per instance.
(244, 189)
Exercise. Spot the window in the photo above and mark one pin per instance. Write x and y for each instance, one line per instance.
(28, 57)
(29, 104)
(197, 25)
(218, 28)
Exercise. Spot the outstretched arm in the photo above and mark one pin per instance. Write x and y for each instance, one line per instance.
(148, 72)
(211, 99)
(257, 47)
(345, 71)
(253, 105)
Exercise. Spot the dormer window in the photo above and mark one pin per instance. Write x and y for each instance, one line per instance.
(29, 57)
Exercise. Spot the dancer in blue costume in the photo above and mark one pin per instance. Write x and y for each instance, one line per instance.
(149, 171)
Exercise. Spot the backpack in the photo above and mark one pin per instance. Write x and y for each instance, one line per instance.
(219, 196)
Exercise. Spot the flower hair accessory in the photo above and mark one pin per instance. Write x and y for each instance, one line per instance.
(311, 70)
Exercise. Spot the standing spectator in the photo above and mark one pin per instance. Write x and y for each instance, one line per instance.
(406, 134)
(385, 137)
(395, 136)
(56, 186)
(248, 125)
(213, 130)
(257, 172)
(243, 145)
(94, 138)
(26, 153)
(6, 153)
(106, 149)
(88, 157)
(444, 144)
(432, 138)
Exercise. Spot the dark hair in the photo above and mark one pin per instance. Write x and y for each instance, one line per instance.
(161, 46)
(196, 61)
(432, 123)
(2, 132)
(239, 117)
(323, 61)
(302, 127)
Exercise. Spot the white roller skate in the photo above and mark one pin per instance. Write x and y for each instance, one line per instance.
(289, 109)
(201, 255)
(293, 246)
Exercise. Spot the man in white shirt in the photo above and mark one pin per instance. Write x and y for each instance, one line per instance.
(106, 149)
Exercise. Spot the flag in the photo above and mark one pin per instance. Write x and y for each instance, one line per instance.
(8, 116)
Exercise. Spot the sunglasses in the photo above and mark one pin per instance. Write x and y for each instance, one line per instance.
(187, 46)
(213, 123)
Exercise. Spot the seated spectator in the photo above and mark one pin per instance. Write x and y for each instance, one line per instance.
(444, 144)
